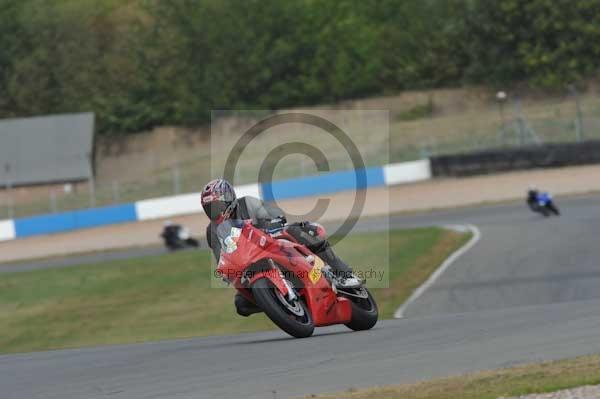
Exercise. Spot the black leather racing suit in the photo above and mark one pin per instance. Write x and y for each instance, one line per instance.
(305, 233)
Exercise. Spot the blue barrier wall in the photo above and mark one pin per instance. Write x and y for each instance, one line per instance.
(107, 215)
(65, 221)
(44, 224)
(323, 184)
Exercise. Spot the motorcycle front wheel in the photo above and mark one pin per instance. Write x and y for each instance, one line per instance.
(364, 310)
(554, 209)
(545, 211)
(292, 317)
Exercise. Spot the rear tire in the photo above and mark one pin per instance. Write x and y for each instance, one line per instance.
(192, 242)
(364, 312)
(265, 295)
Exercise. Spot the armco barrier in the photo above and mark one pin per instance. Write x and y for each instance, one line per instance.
(501, 160)
(156, 208)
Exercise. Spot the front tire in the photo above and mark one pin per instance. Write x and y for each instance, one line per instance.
(364, 312)
(554, 209)
(296, 322)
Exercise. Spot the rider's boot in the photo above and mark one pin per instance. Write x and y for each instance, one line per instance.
(342, 273)
(350, 282)
(244, 307)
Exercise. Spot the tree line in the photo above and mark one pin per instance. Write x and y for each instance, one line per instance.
(142, 63)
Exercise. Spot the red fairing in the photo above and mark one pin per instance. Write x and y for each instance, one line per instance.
(253, 246)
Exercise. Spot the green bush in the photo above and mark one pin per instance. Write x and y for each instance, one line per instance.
(550, 42)
(142, 63)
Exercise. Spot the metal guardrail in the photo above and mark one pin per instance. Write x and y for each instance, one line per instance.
(530, 157)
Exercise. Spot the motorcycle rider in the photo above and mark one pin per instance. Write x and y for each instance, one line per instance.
(176, 236)
(220, 203)
(535, 199)
(532, 195)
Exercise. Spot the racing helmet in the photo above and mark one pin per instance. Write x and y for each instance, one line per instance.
(218, 200)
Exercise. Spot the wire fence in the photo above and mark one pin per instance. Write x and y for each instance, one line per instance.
(506, 123)
(513, 124)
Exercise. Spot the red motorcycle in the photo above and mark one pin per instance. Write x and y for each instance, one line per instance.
(292, 285)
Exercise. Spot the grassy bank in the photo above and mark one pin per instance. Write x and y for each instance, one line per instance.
(521, 380)
(169, 296)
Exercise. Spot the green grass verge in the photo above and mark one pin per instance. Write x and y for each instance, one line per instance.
(169, 296)
(515, 381)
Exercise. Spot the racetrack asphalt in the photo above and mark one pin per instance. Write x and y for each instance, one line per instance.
(528, 291)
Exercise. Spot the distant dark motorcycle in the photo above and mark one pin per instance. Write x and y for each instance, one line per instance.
(178, 237)
(542, 203)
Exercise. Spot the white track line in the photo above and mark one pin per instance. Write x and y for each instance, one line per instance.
(440, 270)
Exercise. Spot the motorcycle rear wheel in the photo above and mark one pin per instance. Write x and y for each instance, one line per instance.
(294, 319)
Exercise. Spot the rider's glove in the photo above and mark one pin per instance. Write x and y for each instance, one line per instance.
(279, 220)
(277, 223)
(272, 224)
(304, 224)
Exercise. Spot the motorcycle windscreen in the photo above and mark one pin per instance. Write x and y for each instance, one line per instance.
(241, 243)
(544, 198)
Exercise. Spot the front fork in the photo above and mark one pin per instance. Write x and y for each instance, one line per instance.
(291, 293)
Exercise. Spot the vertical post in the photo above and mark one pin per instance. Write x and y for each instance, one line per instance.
(501, 97)
(579, 120)
(9, 200)
(520, 122)
(116, 191)
(433, 147)
(502, 123)
(53, 207)
(423, 151)
(92, 192)
(91, 182)
(11, 203)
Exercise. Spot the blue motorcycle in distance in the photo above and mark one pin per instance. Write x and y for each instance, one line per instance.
(541, 202)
